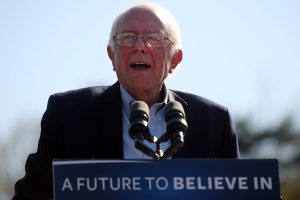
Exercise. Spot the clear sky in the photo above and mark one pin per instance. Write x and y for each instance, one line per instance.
(242, 54)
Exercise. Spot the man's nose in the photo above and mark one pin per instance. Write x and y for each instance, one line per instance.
(140, 44)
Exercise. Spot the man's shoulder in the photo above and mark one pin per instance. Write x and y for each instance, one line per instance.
(87, 92)
(86, 95)
(82, 99)
(196, 101)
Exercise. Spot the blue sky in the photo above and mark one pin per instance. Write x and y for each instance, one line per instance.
(242, 54)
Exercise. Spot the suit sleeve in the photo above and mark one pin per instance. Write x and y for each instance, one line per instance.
(230, 148)
(37, 182)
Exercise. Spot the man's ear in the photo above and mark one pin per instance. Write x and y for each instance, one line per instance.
(111, 56)
(176, 59)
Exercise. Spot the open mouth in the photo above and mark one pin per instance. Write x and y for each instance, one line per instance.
(140, 66)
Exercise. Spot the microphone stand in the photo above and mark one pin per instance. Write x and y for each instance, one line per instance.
(177, 141)
(145, 149)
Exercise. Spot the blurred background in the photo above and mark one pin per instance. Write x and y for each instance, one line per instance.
(242, 54)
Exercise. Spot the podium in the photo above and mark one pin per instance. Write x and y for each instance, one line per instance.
(174, 179)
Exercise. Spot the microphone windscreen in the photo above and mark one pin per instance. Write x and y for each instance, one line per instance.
(139, 109)
(174, 108)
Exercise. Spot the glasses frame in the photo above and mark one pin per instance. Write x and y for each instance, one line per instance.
(117, 39)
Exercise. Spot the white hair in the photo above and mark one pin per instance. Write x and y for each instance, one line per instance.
(171, 26)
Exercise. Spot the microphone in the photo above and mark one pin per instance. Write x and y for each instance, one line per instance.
(176, 127)
(138, 117)
(138, 129)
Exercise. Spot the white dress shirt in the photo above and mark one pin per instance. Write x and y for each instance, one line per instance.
(156, 125)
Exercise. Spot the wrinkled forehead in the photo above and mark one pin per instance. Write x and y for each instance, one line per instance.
(140, 20)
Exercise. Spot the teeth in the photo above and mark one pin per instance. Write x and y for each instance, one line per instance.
(140, 65)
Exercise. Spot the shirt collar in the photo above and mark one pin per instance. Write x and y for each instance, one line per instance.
(127, 99)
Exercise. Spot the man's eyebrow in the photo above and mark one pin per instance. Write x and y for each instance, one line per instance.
(130, 32)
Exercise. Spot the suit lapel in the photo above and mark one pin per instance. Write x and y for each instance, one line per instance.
(174, 97)
(109, 119)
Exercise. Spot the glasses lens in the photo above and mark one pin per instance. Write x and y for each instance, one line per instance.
(151, 39)
(126, 39)
(154, 41)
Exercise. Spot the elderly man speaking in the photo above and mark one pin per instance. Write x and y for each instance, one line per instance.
(144, 48)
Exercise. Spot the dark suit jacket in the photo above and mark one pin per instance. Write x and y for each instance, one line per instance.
(87, 123)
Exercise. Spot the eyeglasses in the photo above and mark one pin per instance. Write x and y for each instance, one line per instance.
(151, 39)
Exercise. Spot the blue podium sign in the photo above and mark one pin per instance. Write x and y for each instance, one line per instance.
(175, 179)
